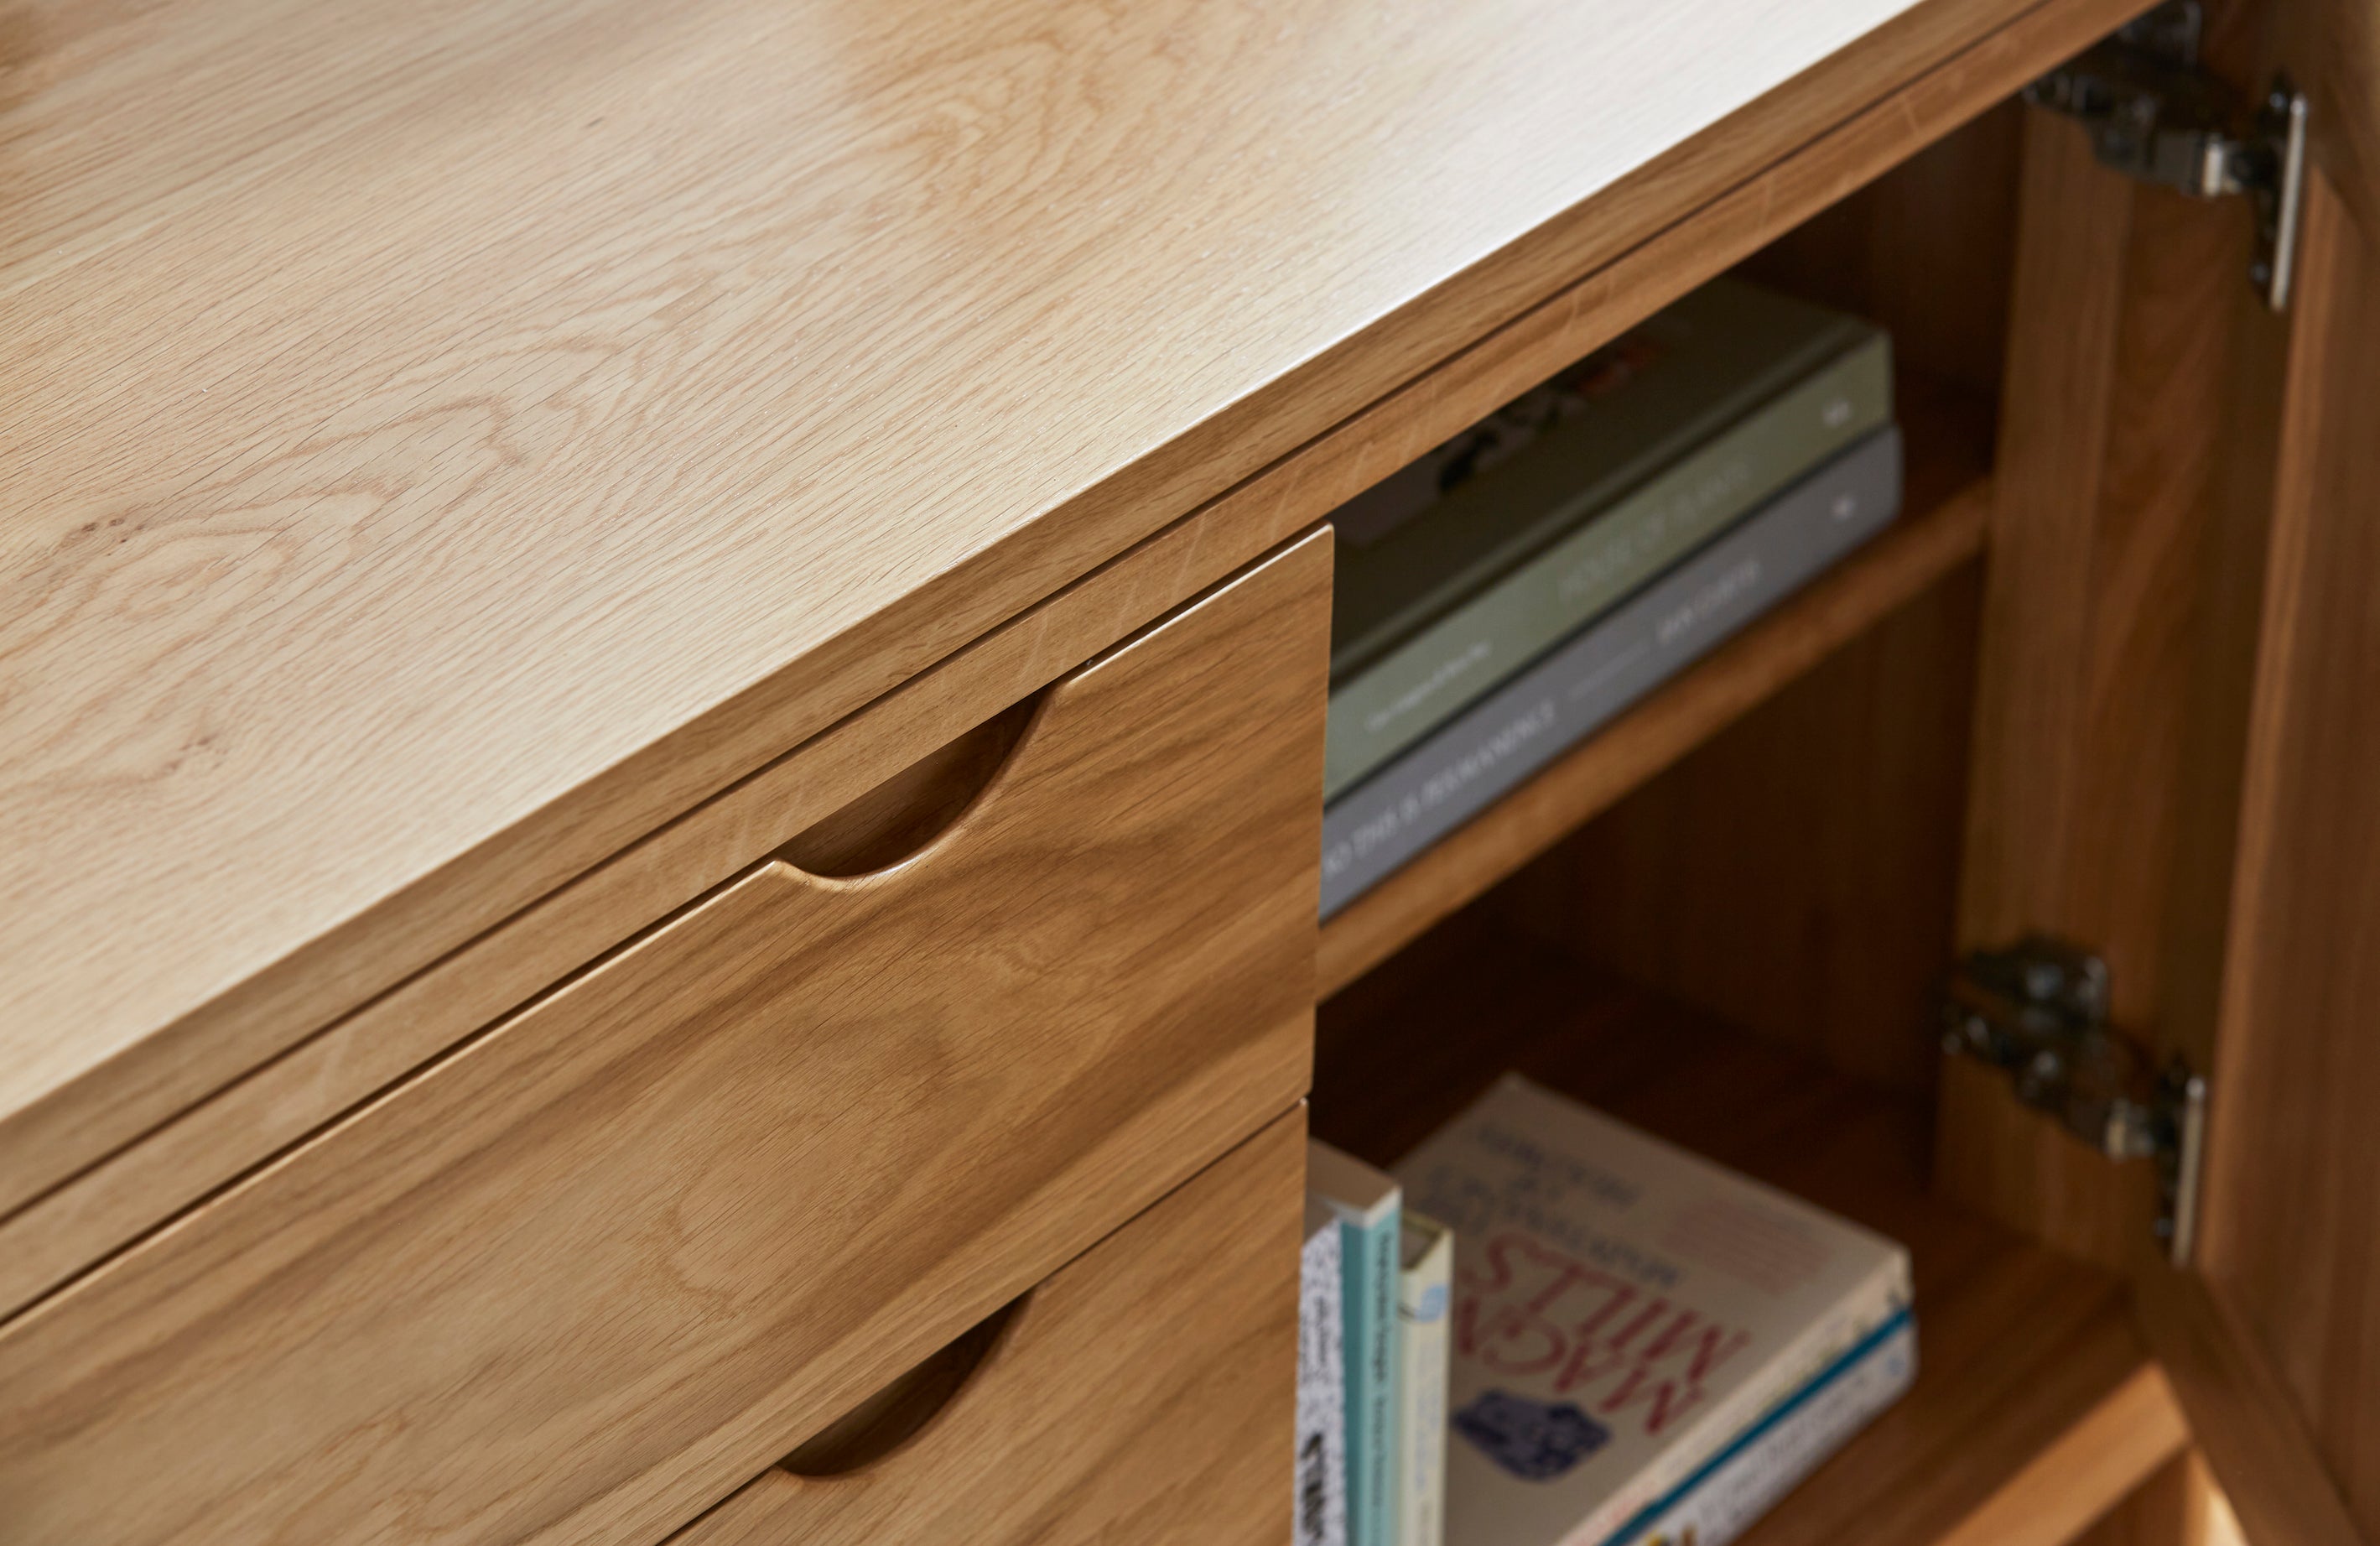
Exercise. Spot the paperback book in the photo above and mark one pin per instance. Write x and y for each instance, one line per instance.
(1369, 1209)
(1424, 1308)
(1320, 1518)
(1624, 1311)
(1738, 1485)
(1442, 781)
(1565, 502)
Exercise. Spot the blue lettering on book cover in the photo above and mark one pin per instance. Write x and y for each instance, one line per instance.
(1536, 1440)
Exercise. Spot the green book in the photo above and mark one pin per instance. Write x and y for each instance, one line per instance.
(1575, 497)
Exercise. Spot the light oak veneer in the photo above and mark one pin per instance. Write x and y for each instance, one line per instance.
(448, 441)
(606, 1263)
(1144, 1393)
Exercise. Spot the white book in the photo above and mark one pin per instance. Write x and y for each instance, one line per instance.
(1424, 1278)
(1624, 1309)
(1321, 1506)
(1721, 1501)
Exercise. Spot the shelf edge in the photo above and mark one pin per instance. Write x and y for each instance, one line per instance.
(1656, 732)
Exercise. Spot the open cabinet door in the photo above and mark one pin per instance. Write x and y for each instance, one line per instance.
(2177, 756)
(2270, 1331)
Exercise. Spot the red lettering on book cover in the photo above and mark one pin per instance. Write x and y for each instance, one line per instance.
(1530, 1310)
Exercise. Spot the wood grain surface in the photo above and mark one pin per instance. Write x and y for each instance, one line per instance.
(1794, 874)
(2332, 49)
(75, 1225)
(2166, 768)
(2292, 1243)
(2178, 1506)
(1144, 1393)
(448, 441)
(2092, 773)
(2036, 1406)
(2262, 1449)
(607, 1261)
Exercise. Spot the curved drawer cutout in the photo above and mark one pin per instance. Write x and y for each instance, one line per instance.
(885, 1422)
(1144, 1393)
(585, 1274)
(901, 817)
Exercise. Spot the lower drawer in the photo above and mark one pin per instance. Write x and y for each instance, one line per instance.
(1142, 1393)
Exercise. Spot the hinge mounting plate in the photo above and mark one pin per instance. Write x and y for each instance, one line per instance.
(2155, 115)
(2038, 1010)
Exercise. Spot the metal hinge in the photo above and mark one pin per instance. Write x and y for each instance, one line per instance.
(2155, 115)
(2039, 1010)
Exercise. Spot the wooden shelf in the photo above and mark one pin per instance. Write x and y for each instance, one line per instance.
(1949, 501)
(2036, 1406)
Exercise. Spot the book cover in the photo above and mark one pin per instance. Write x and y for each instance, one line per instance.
(1449, 775)
(1384, 707)
(1496, 496)
(1369, 1209)
(1424, 1305)
(1743, 1480)
(1320, 1517)
(1622, 1311)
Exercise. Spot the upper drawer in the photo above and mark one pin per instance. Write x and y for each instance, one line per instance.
(581, 1276)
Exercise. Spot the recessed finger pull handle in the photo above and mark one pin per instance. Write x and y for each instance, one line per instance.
(900, 816)
(884, 1422)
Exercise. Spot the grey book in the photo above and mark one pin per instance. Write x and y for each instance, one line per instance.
(1458, 770)
(1408, 689)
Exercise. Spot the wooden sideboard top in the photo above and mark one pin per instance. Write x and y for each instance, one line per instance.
(444, 439)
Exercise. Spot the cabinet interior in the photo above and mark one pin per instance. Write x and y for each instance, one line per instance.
(1721, 917)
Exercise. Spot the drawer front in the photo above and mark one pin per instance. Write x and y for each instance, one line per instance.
(1144, 1393)
(580, 1278)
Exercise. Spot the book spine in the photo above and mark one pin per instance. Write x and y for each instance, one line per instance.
(1744, 1480)
(1424, 1295)
(1320, 1517)
(1386, 707)
(1369, 1303)
(1445, 779)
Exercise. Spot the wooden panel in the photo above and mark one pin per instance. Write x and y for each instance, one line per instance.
(1926, 251)
(2293, 1174)
(1795, 875)
(1949, 499)
(2102, 1455)
(2036, 1406)
(76, 1225)
(453, 440)
(2332, 49)
(2171, 433)
(1144, 1393)
(2178, 1506)
(2242, 1416)
(591, 1272)
(2104, 547)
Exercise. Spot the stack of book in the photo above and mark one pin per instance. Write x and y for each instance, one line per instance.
(1520, 585)
(1372, 1362)
(1646, 1347)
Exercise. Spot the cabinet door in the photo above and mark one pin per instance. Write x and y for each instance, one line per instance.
(2272, 1335)
(2178, 756)
(2272, 1331)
